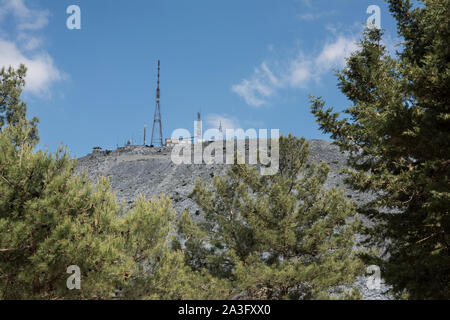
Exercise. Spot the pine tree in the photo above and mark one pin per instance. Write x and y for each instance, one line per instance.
(12, 108)
(398, 138)
(274, 237)
(51, 218)
(149, 230)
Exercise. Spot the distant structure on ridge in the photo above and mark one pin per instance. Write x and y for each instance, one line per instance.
(198, 129)
(157, 118)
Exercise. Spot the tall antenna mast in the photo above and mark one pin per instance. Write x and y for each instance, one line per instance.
(157, 117)
(145, 131)
(198, 129)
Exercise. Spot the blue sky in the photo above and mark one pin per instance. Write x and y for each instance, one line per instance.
(246, 63)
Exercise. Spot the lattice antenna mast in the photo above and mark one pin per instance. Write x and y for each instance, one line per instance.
(157, 117)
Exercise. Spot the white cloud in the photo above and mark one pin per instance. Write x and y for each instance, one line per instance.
(315, 16)
(306, 3)
(27, 19)
(214, 120)
(334, 53)
(28, 42)
(250, 89)
(297, 72)
(41, 69)
(308, 16)
(263, 84)
(269, 75)
(22, 45)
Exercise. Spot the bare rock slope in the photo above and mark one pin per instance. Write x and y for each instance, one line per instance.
(135, 170)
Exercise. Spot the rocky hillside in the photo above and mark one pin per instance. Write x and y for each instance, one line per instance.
(150, 171)
(135, 170)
